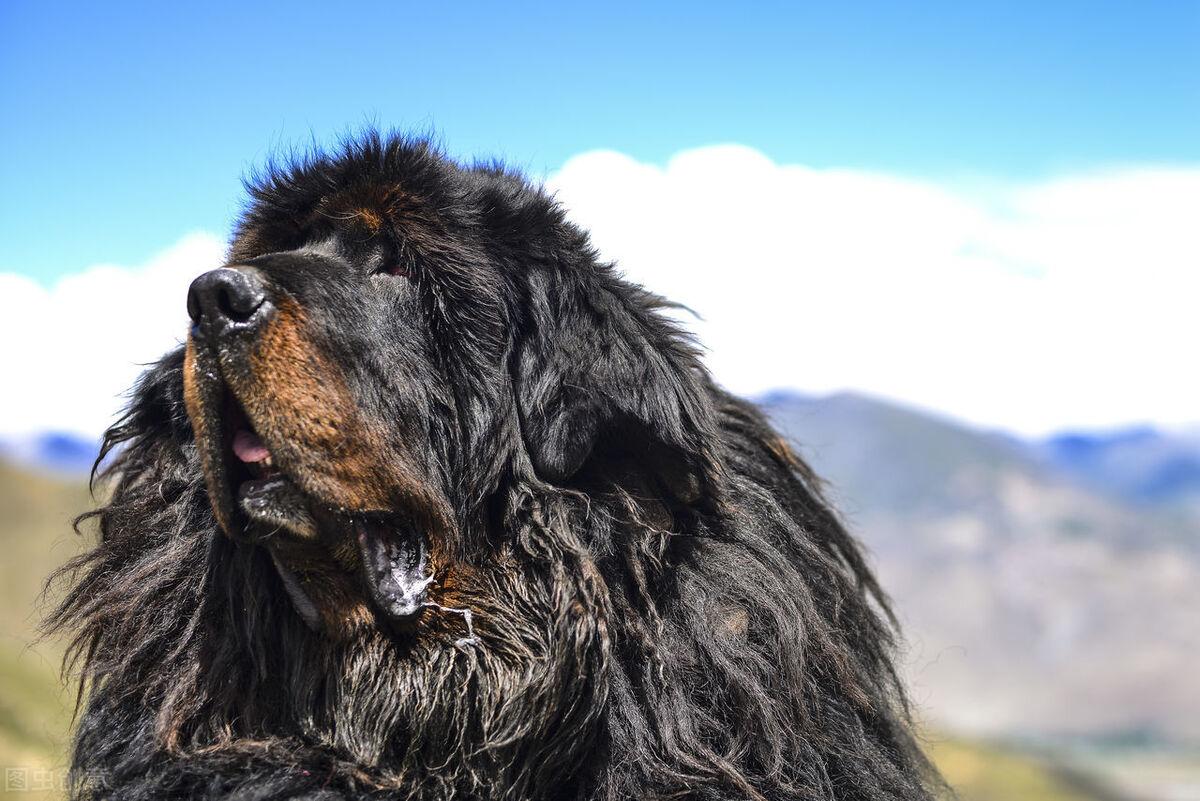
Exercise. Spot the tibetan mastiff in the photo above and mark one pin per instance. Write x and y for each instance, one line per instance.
(433, 504)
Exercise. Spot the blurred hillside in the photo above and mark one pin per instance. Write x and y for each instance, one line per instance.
(35, 707)
(1047, 590)
(1041, 595)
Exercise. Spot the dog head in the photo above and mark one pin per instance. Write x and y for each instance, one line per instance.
(434, 504)
(394, 338)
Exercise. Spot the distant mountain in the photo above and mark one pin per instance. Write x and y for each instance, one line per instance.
(886, 458)
(1142, 465)
(1035, 598)
(52, 451)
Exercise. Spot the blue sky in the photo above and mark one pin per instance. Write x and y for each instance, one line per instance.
(128, 125)
(984, 209)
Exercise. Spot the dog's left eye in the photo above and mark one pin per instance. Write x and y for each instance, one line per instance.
(401, 270)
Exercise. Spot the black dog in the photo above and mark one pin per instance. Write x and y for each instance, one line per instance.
(434, 505)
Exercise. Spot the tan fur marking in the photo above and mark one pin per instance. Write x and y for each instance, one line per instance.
(735, 622)
(300, 404)
(370, 219)
(302, 407)
(209, 441)
(781, 450)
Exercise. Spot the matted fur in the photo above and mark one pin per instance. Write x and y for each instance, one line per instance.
(663, 605)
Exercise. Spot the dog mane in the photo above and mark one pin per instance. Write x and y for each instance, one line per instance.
(745, 651)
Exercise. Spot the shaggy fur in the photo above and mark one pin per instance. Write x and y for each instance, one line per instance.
(662, 604)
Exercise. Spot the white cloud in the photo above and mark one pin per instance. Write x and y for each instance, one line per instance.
(1069, 302)
(77, 347)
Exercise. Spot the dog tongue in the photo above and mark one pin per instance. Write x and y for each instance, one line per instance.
(249, 448)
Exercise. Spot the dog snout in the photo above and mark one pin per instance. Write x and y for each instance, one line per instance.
(225, 300)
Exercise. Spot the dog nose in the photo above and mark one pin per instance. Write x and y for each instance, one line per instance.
(224, 299)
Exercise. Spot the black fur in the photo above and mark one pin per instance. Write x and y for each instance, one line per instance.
(664, 605)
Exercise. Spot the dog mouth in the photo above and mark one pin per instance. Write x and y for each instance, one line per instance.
(256, 499)
(264, 500)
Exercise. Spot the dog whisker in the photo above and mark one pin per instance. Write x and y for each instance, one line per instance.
(467, 616)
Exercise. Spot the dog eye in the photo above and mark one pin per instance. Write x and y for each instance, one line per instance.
(398, 269)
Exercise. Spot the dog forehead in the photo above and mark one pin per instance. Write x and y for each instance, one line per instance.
(372, 204)
(379, 211)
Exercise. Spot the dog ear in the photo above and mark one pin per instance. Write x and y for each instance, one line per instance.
(151, 440)
(599, 366)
